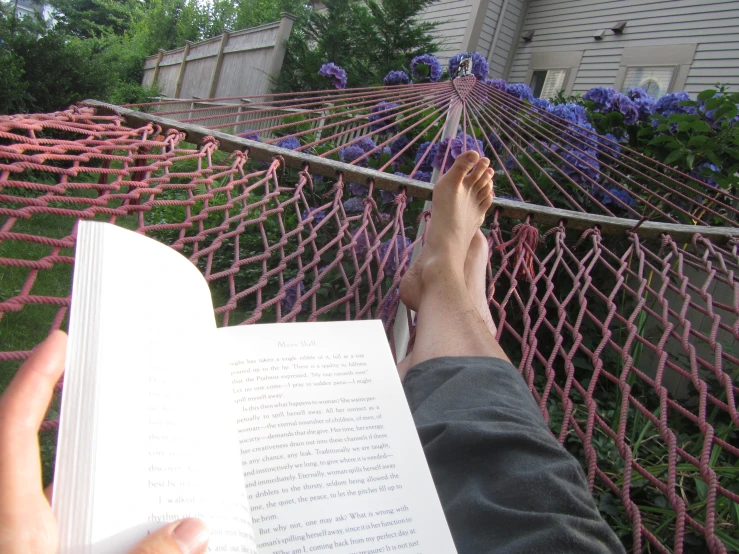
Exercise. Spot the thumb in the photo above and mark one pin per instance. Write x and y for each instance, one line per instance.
(186, 536)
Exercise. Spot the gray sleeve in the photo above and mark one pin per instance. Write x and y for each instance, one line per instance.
(504, 481)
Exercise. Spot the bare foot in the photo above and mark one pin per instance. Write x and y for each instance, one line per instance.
(475, 277)
(462, 196)
(463, 201)
(475, 272)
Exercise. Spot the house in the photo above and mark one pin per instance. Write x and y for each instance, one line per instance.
(662, 46)
(33, 9)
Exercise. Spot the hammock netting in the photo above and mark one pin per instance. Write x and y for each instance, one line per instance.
(613, 279)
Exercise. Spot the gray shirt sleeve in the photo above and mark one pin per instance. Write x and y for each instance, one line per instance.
(504, 481)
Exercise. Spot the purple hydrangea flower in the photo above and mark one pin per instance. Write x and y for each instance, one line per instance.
(294, 290)
(426, 165)
(670, 104)
(459, 144)
(398, 144)
(511, 163)
(366, 144)
(291, 143)
(623, 104)
(644, 103)
(601, 96)
(703, 173)
(334, 73)
(582, 139)
(499, 84)
(480, 65)
(520, 91)
(362, 240)
(318, 215)
(249, 135)
(541, 103)
(383, 312)
(441, 153)
(396, 78)
(383, 110)
(421, 176)
(354, 204)
(396, 246)
(619, 193)
(609, 148)
(574, 113)
(464, 143)
(495, 141)
(426, 68)
(583, 165)
(351, 153)
(357, 189)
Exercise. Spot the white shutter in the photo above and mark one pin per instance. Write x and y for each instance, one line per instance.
(655, 80)
(553, 83)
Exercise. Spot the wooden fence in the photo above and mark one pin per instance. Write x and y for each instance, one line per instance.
(236, 63)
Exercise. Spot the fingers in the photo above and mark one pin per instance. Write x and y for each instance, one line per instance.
(22, 409)
(186, 536)
(463, 164)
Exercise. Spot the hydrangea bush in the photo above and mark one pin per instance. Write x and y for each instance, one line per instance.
(698, 137)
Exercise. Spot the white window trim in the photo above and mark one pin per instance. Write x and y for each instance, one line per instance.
(545, 61)
(679, 56)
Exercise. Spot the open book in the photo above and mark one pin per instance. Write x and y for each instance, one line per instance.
(284, 438)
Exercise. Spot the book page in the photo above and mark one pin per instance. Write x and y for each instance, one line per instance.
(145, 436)
(329, 453)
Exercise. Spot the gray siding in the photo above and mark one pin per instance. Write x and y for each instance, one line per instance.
(488, 27)
(507, 38)
(452, 16)
(566, 25)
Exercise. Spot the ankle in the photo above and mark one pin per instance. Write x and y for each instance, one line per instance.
(442, 271)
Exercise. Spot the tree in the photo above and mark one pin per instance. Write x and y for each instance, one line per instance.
(366, 39)
(93, 18)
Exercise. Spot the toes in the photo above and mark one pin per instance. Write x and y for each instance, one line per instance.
(462, 165)
(485, 179)
(487, 200)
(477, 172)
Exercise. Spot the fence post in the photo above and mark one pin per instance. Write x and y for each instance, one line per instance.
(278, 52)
(219, 63)
(155, 78)
(183, 64)
(401, 330)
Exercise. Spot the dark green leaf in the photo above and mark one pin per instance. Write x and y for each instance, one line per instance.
(697, 141)
(701, 488)
(706, 94)
(674, 156)
(713, 103)
(701, 126)
(713, 158)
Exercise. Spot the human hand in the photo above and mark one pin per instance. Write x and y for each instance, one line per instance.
(27, 524)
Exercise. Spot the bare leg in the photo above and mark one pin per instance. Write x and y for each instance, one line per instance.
(475, 266)
(450, 323)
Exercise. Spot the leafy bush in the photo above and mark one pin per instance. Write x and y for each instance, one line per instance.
(367, 39)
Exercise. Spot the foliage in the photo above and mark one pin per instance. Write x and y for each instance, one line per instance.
(367, 40)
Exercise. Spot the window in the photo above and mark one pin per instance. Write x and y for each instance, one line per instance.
(655, 80)
(547, 83)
